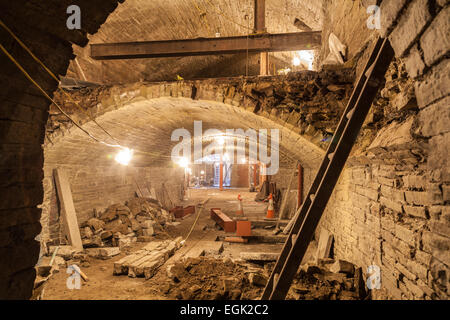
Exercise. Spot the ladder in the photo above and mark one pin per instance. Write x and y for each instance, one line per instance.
(307, 217)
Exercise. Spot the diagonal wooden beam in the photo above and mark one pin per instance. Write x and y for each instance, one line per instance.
(207, 46)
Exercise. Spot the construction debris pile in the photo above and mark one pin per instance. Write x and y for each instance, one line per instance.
(205, 278)
(121, 224)
(328, 280)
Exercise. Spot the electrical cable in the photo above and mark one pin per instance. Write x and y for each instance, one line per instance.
(25, 47)
(51, 100)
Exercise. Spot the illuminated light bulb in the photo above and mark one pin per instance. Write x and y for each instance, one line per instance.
(184, 162)
(296, 61)
(124, 156)
(306, 56)
(221, 140)
(202, 172)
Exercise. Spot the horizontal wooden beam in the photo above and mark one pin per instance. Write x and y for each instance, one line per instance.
(207, 46)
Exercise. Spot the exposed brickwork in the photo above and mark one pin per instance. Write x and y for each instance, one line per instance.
(391, 205)
(23, 113)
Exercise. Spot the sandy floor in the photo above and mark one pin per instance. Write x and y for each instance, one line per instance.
(103, 285)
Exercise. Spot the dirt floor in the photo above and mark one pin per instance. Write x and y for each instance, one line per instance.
(194, 278)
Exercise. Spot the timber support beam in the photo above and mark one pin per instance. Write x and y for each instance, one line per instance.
(207, 46)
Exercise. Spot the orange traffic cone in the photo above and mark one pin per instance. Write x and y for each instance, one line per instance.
(240, 210)
(270, 212)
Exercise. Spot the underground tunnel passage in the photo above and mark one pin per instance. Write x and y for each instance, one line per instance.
(312, 170)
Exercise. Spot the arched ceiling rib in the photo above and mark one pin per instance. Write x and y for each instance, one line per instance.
(147, 126)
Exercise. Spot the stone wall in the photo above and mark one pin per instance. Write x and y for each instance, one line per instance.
(391, 206)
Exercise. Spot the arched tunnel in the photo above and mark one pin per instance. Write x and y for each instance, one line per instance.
(68, 199)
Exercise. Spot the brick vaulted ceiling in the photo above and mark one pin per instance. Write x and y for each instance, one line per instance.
(141, 20)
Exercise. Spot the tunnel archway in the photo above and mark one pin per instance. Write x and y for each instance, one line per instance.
(146, 125)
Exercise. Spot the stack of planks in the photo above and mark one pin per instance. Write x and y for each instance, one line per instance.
(146, 262)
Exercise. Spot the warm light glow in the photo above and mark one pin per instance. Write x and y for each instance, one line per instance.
(124, 156)
(226, 157)
(202, 172)
(243, 160)
(305, 56)
(220, 140)
(183, 162)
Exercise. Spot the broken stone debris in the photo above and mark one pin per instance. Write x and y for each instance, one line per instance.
(122, 224)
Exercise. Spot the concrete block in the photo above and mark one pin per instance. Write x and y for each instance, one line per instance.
(103, 252)
(342, 266)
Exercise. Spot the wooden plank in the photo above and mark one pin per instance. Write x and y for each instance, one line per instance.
(67, 208)
(324, 245)
(208, 46)
(285, 198)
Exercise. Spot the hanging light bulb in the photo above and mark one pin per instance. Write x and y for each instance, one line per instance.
(220, 140)
(124, 156)
(183, 162)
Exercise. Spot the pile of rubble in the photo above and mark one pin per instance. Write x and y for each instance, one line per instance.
(328, 280)
(208, 278)
(205, 278)
(121, 224)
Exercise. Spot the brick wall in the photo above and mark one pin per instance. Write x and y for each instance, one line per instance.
(23, 114)
(391, 206)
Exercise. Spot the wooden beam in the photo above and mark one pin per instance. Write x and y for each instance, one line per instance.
(68, 209)
(260, 16)
(207, 46)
